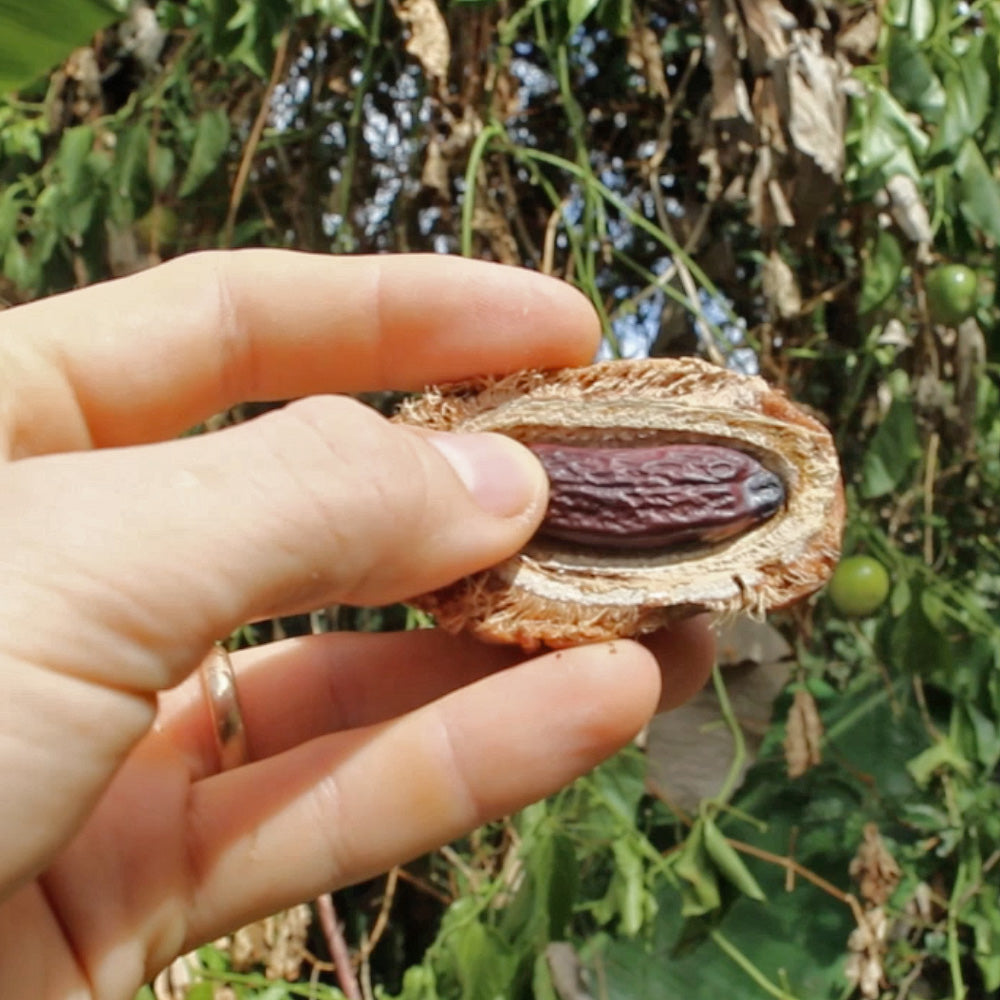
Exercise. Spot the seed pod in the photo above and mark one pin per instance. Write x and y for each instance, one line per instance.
(727, 495)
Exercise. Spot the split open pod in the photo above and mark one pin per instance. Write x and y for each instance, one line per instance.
(676, 487)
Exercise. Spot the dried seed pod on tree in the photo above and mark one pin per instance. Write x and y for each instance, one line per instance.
(617, 429)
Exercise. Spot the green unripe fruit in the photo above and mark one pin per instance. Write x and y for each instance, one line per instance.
(951, 293)
(858, 586)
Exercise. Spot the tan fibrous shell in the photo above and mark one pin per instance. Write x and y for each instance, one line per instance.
(559, 594)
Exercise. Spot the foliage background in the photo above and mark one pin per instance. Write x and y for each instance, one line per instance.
(765, 182)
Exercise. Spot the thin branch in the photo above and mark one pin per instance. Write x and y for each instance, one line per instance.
(253, 140)
(790, 864)
(382, 920)
(339, 952)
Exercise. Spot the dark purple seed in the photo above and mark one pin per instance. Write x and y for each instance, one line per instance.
(654, 497)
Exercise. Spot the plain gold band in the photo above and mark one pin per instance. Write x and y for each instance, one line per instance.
(218, 681)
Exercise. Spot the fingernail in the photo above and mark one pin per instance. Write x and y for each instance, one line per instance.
(502, 476)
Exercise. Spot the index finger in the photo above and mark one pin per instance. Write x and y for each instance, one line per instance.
(145, 357)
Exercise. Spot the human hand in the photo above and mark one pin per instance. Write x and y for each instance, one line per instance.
(127, 552)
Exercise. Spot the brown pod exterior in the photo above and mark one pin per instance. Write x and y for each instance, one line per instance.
(559, 593)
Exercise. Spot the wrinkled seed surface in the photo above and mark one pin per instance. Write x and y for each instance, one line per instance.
(654, 497)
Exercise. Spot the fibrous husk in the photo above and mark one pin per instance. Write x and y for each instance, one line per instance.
(559, 594)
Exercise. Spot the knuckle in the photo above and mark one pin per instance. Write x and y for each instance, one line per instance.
(366, 483)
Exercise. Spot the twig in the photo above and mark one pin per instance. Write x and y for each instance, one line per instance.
(732, 779)
(382, 920)
(425, 887)
(790, 864)
(705, 335)
(549, 247)
(346, 978)
(929, 473)
(735, 955)
(253, 140)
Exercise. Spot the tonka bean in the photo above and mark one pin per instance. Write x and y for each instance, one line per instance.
(654, 497)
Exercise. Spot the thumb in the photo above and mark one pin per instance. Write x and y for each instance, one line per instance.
(148, 554)
(122, 566)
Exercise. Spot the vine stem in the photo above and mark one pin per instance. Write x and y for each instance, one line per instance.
(354, 122)
(342, 965)
(734, 954)
(739, 743)
(253, 140)
(954, 949)
(471, 170)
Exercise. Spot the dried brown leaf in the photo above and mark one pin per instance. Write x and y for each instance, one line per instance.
(771, 23)
(645, 56)
(428, 41)
(909, 212)
(874, 868)
(723, 37)
(803, 735)
(567, 971)
(817, 107)
(780, 287)
(970, 362)
(866, 947)
(434, 176)
(859, 35)
(175, 981)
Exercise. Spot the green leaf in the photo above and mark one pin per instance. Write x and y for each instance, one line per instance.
(915, 644)
(918, 16)
(942, 754)
(74, 148)
(210, 142)
(729, 863)
(484, 964)
(162, 167)
(338, 13)
(986, 735)
(884, 141)
(912, 79)
(967, 102)
(700, 889)
(627, 900)
(978, 190)
(620, 784)
(893, 450)
(883, 267)
(615, 16)
(579, 11)
(542, 987)
(10, 212)
(541, 909)
(36, 35)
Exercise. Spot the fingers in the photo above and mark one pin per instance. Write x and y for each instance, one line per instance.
(300, 689)
(686, 652)
(145, 357)
(344, 807)
(151, 553)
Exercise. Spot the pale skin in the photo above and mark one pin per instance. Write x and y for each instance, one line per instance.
(128, 551)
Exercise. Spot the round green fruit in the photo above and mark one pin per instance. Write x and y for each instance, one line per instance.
(858, 586)
(951, 293)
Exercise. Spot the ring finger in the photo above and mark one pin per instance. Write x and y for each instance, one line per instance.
(299, 689)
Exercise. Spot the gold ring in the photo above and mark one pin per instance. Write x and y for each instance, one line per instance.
(218, 682)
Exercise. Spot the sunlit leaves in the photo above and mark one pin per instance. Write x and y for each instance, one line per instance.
(36, 35)
(883, 269)
(210, 142)
(938, 112)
